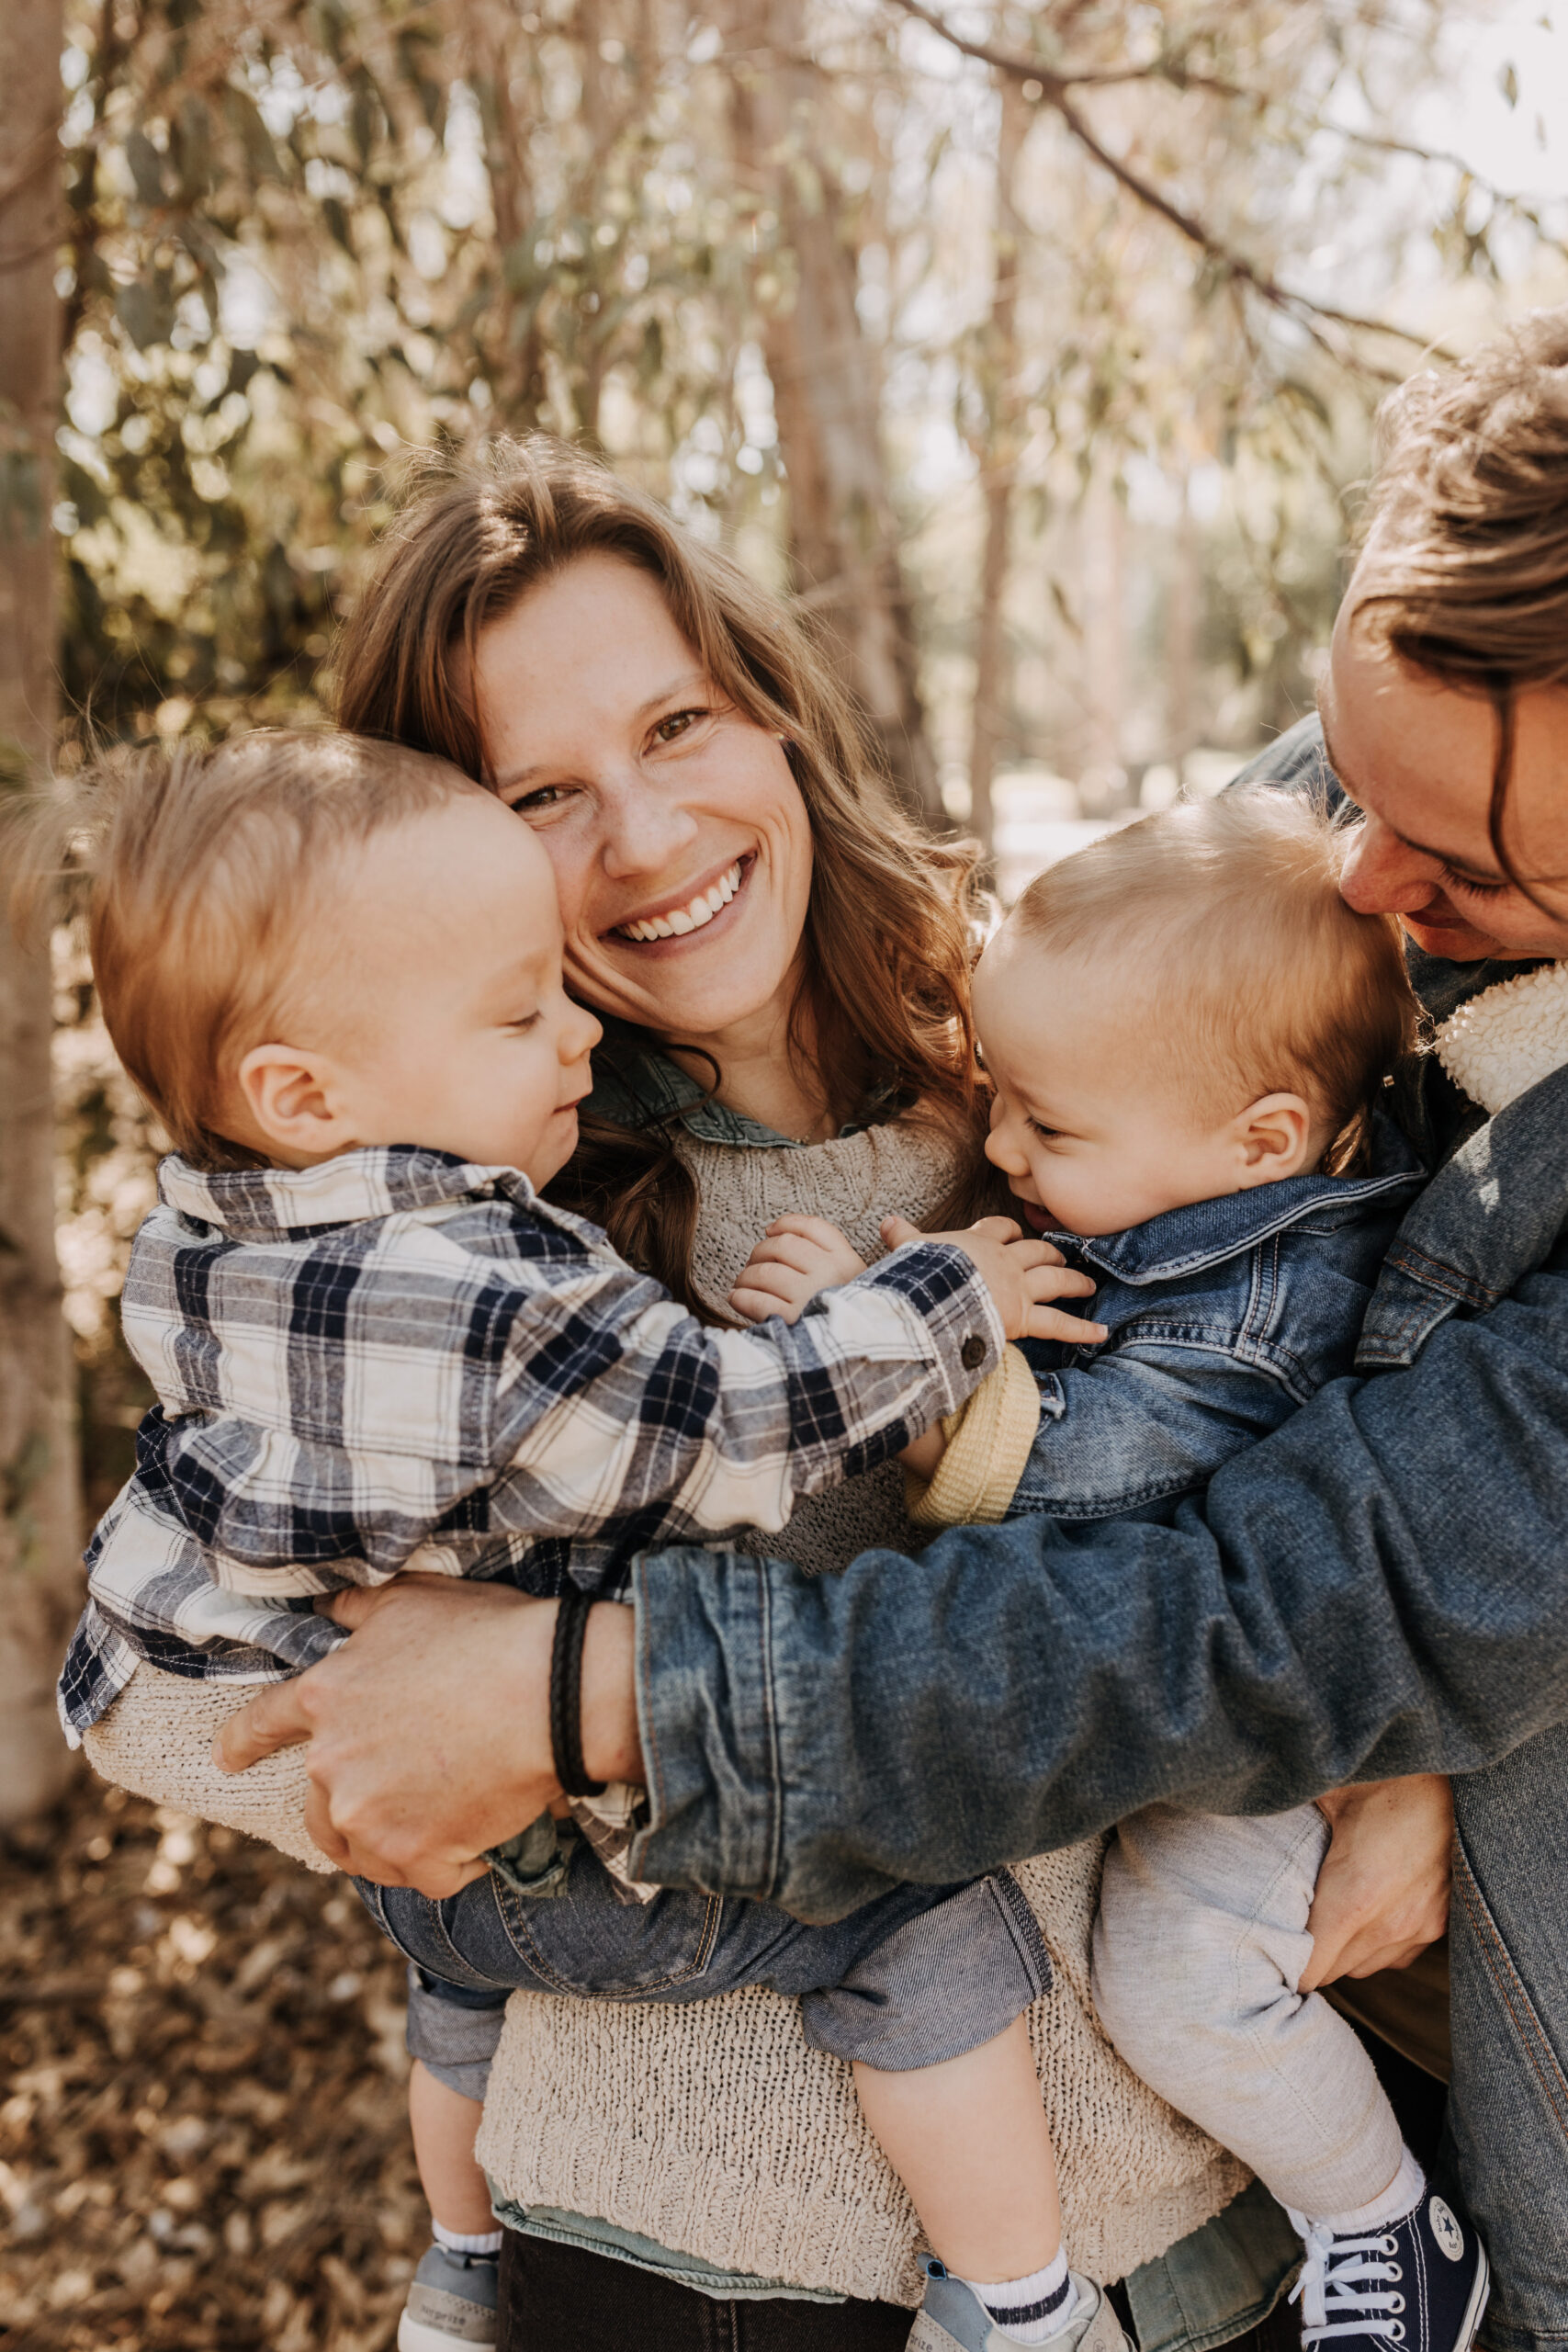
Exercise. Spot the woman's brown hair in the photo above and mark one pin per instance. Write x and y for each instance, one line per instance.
(1467, 542)
(885, 997)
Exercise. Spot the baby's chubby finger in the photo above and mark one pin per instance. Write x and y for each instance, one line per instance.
(1044, 1282)
(807, 1228)
(1050, 1323)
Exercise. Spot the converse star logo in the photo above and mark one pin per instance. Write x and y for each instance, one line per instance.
(1446, 2229)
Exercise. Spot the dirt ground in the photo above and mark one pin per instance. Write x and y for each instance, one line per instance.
(203, 2139)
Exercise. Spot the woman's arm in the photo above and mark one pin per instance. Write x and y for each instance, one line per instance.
(1379, 1588)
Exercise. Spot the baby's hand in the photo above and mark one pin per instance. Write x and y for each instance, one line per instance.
(797, 1257)
(1021, 1275)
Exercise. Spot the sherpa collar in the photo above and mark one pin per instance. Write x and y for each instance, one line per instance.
(1500, 1044)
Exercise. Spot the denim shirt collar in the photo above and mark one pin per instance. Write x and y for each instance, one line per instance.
(381, 1179)
(638, 1085)
(1190, 1241)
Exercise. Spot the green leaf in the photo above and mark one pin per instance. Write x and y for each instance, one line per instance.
(191, 140)
(146, 167)
(145, 309)
(256, 141)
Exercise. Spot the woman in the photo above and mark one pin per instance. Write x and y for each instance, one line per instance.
(781, 963)
(1369, 1584)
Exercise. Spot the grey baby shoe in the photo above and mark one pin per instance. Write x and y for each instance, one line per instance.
(953, 2319)
(453, 2299)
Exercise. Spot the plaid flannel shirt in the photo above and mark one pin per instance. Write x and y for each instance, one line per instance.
(398, 1360)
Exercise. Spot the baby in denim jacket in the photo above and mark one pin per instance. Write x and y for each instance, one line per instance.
(334, 968)
(1188, 1030)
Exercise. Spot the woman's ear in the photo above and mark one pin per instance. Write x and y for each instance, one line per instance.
(1273, 1139)
(291, 1100)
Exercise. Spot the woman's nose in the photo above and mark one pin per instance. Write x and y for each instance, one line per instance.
(645, 826)
(1383, 875)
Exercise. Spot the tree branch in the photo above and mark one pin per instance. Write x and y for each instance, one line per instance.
(1055, 91)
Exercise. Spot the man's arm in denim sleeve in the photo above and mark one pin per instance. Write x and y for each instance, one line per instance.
(1380, 1587)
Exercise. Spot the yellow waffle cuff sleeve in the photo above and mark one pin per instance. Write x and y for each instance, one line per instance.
(989, 1441)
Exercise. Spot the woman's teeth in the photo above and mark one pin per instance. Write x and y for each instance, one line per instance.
(677, 920)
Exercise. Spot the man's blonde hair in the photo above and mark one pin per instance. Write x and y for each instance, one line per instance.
(1248, 969)
(205, 869)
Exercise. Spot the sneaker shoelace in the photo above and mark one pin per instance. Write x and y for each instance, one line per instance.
(1349, 2287)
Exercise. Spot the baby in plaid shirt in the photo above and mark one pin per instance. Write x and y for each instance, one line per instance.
(377, 1349)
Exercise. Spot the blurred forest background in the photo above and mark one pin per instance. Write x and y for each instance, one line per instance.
(1034, 348)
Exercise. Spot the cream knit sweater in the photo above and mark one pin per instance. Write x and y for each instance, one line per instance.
(712, 2127)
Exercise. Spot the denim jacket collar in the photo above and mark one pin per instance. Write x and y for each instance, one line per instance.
(382, 1180)
(1188, 1240)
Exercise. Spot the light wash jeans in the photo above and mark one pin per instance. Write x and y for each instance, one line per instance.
(1198, 1954)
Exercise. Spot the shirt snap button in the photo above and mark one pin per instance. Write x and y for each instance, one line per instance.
(972, 1353)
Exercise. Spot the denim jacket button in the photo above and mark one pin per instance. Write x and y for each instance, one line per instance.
(972, 1353)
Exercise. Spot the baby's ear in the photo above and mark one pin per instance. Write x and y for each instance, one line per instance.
(289, 1099)
(1273, 1139)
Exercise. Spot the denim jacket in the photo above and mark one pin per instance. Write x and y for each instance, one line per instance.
(1224, 1317)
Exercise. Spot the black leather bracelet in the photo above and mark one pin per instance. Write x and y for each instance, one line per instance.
(566, 1694)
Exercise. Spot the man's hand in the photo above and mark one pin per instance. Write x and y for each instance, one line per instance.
(1383, 1893)
(429, 1732)
(1023, 1276)
(797, 1257)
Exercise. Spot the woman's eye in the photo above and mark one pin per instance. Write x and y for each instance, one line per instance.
(679, 723)
(529, 1020)
(543, 796)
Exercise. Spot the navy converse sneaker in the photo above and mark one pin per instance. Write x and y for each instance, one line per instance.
(453, 2301)
(1417, 2286)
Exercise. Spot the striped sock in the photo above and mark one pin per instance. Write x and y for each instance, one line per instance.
(478, 2242)
(1031, 2310)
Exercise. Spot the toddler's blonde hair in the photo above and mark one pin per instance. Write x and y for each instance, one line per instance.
(206, 870)
(1236, 953)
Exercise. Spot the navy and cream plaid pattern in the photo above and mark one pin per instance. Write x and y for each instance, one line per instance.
(398, 1360)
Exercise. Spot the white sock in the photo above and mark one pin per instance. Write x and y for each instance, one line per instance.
(1400, 2198)
(1052, 2288)
(477, 2242)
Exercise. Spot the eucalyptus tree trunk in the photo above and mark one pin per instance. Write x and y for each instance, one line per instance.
(39, 1531)
(827, 382)
(998, 460)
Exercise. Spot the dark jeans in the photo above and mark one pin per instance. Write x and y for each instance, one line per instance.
(558, 2299)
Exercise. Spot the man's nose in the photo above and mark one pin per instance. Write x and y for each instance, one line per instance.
(1383, 875)
(644, 827)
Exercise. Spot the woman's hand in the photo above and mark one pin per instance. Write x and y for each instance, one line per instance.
(797, 1257)
(1383, 1893)
(1023, 1276)
(429, 1732)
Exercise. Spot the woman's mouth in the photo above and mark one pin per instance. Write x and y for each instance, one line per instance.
(695, 913)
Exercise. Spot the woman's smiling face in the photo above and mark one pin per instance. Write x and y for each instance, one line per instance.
(679, 837)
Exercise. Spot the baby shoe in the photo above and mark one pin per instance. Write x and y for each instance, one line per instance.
(1417, 2286)
(453, 2299)
(952, 2318)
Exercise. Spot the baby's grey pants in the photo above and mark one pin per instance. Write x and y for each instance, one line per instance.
(1198, 1952)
